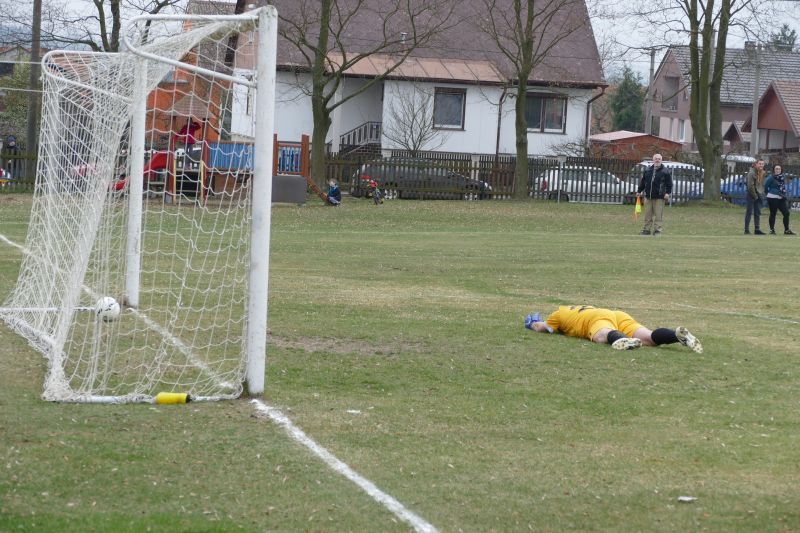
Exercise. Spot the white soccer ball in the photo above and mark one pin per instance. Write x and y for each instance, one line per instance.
(107, 309)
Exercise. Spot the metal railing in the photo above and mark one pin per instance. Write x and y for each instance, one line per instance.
(366, 133)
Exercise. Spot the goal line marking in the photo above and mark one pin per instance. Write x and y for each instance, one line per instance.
(336, 464)
(342, 468)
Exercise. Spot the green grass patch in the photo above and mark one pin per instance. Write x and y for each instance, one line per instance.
(396, 342)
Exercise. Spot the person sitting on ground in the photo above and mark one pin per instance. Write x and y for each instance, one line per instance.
(334, 194)
(605, 326)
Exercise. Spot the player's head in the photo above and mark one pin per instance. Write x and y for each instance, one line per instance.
(531, 319)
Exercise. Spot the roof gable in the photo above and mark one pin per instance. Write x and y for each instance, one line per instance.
(460, 51)
(738, 78)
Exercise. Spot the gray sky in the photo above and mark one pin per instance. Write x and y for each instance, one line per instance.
(608, 29)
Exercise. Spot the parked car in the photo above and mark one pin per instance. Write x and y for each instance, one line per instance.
(687, 180)
(734, 190)
(416, 178)
(572, 183)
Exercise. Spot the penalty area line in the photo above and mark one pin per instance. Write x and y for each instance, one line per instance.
(342, 468)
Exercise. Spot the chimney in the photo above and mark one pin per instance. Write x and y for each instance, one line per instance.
(749, 45)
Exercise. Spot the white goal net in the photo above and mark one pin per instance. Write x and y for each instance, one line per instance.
(147, 195)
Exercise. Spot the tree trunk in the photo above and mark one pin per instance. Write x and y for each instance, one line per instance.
(521, 133)
(322, 123)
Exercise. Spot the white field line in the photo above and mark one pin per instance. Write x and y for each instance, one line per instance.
(736, 313)
(336, 464)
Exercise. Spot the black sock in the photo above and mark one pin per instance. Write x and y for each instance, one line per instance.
(664, 336)
(615, 335)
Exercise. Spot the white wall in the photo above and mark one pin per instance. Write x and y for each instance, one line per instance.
(776, 139)
(480, 120)
(366, 107)
(293, 115)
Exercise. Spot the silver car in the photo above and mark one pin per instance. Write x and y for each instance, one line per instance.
(581, 184)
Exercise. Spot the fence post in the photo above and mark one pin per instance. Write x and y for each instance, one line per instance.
(274, 154)
(305, 156)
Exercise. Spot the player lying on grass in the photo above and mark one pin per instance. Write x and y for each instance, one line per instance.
(605, 326)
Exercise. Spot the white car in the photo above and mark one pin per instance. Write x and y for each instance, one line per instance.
(571, 183)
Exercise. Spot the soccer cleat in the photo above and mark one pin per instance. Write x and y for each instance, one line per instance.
(645, 232)
(747, 232)
(759, 232)
(772, 232)
(626, 343)
(688, 340)
(530, 319)
(657, 233)
(789, 232)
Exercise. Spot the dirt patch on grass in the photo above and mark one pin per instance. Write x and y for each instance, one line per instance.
(317, 344)
(11, 199)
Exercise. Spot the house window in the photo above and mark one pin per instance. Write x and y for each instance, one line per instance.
(681, 130)
(669, 98)
(545, 112)
(448, 108)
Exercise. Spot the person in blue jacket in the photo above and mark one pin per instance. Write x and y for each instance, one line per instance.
(775, 187)
(334, 193)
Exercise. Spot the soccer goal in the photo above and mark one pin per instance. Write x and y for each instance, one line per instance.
(146, 263)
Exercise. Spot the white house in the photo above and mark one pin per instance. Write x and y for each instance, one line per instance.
(470, 87)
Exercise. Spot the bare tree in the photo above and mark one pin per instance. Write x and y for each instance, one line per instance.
(331, 37)
(525, 32)
(93, 24)
(410, 120)
(706, 23)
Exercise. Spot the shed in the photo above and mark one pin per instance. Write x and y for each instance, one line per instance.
(624, 144)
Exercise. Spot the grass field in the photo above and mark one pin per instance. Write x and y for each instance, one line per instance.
(397, 344)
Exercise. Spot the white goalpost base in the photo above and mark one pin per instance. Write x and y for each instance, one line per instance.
(142, 199)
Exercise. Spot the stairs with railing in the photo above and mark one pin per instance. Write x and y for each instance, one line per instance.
(367, 135)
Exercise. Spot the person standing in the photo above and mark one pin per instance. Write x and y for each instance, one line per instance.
(754, 197)
(775, 185)
(655, 187)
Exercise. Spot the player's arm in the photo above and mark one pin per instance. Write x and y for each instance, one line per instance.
(541, 327)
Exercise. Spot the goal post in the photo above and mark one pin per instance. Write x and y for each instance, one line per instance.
(147, 195)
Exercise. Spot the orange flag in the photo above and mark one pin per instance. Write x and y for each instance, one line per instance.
(638, 209)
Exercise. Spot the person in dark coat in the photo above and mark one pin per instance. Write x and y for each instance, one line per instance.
(777, 199)
(655, 188)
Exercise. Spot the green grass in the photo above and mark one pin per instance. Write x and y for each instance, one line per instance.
(411, 314)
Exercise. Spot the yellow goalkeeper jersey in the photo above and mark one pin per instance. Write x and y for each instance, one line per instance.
(580, 320)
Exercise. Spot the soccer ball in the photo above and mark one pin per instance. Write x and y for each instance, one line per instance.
(107, 309)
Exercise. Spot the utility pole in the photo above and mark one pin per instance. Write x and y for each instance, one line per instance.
(33, 81)
(648, 99)
(756, 97)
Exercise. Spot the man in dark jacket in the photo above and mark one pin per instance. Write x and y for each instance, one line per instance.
(655, 187)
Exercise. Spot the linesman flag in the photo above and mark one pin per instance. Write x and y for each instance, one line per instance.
(638, 209)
